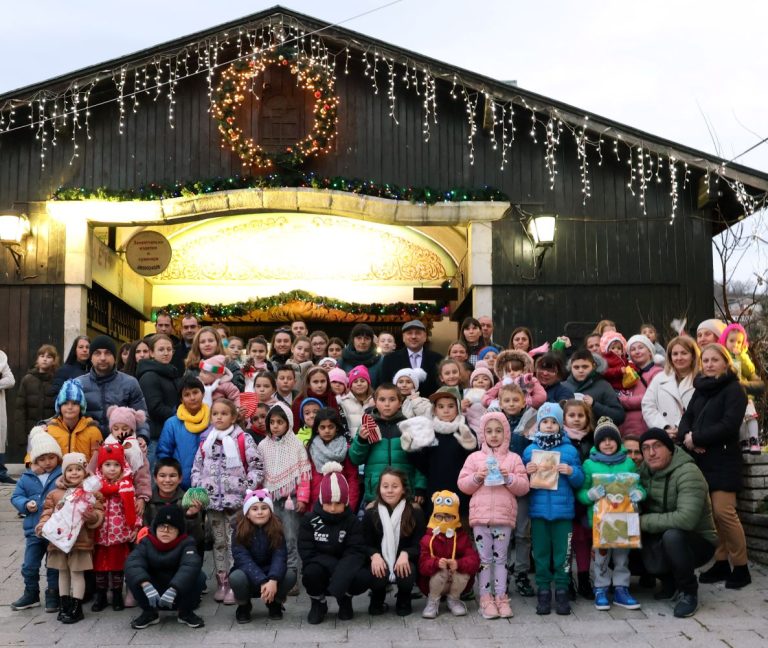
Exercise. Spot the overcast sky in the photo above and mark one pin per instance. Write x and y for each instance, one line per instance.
(661, 66)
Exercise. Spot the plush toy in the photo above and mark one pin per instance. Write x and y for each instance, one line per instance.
(416, 433)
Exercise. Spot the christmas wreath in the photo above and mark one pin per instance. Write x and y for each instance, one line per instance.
(311, 75)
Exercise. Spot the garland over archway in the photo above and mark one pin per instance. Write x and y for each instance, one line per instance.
(311, 75)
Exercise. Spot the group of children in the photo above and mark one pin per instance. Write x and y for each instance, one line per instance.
(331, 487)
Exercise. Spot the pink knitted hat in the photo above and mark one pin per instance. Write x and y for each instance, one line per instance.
(609, 337)
(481, 371)
(338, 375)
(333, 487)
(734, 327)
(130, 417)
(360, 371)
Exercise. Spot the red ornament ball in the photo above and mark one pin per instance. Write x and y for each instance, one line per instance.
(318, 94)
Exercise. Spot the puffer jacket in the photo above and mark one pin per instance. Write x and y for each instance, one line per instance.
(556, 504)
(714, 415)
(665, 400)
(156, 502)
(353, 410)
(604, 399)
(34, 400)
(177, 567)
(116, 388)
(677, 498)
(181, 444)
(259, 561)
(631, 400)
(494, 505)
(87, 536)
(160, 385)
(593, 467)
(85, 437)
(29, 489)
(384, 453)
(226, 486)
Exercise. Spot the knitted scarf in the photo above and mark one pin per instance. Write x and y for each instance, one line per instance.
(227, 439)
(548, 441)
(166, 546)
(194, 423)
(321, 452)
(458, 429)
(575, 435)
(285, 464)
(124, 488)
(390, 537)
(610, 460)
(209, 389)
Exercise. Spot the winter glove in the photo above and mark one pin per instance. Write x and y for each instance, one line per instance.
(636, 495)
(168, 597)
(596, 492)
(153, 598)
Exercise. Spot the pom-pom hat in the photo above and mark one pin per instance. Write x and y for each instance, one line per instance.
(333, 487)
(125, 416)
(71, 390)
(257, 496)
(41, 443)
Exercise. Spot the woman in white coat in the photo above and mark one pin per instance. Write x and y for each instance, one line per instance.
(668, 394)
(6, 382)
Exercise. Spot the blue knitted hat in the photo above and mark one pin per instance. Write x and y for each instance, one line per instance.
(550, 410)
(306, 401)
(71, 391)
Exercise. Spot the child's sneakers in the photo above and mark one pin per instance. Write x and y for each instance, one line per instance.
(28, 599)
(456, 607)
(623, 598)
(523, 585)
(601, 599)
(503, 607)
(431, 609)
(488, 608)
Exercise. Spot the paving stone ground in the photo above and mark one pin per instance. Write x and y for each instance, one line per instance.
(726, 618)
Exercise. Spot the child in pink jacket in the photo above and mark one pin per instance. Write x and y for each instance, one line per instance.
(495, 477)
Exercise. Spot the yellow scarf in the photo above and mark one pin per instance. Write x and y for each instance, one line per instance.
(194, 423)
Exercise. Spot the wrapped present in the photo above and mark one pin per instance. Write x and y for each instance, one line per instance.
(63, 527)
(615, 517)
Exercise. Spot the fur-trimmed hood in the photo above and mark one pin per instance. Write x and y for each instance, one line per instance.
(511, 354)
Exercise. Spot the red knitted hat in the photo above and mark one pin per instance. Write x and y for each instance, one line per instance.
(111, 452)
(333, 487)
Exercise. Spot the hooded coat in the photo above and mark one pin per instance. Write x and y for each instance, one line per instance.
(493, 505)
(34, 400)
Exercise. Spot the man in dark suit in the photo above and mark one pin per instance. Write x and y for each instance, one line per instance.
(189, 328)
(412, 356)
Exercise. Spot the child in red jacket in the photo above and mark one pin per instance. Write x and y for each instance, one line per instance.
(447, 559)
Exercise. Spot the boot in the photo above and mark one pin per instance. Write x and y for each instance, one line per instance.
(75, 613)
(221, 590)
(377, 606)
(403, 605)
(117, 599)
(229, 595)
(65, 602)
(345, 608)
(585, 587)
(720, 571)
(52, 600)
(562, 603)
(317, 612)
(275, 610)
(99, 601)
(544, 602)
(28, 599)
(739, 578)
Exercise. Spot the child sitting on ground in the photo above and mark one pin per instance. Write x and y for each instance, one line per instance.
(447, 559)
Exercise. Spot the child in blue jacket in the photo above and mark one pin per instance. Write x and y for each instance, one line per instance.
(552, 510)
(28, 497)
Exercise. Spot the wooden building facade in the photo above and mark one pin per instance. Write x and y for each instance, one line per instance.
(619, 250)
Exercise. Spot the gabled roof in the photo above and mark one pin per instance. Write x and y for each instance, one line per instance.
(755, 181)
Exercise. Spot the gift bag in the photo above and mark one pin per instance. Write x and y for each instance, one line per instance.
(64, 525)
(615, 518)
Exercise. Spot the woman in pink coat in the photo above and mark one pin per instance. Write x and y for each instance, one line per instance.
(641, 351)
(495, 477)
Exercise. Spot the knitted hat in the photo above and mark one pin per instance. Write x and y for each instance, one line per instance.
(714, 325)
(111, 452)
(126, 416)
(171, 515)
(215, 364)
(643, 339)
(606, 429)
(41, 443)
(333, 487)
(657, 434)
(734, 327)
(333, 361)
(71, 390)
(550, 410)
(447, 503)
(486, 350)
(416, 376)
(339, 376)
(74, 459)
(257, 496)
(360, 371)
(306, 401)
(103, 342)
(446, 392)
(608, 338)
(481, 371)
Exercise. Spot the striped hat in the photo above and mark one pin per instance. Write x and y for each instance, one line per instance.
(71, 390)
(215, 364)
(333, 487)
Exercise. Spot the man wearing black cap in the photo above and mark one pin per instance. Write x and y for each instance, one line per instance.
(678, 532)
(104, 385)
(413, 356)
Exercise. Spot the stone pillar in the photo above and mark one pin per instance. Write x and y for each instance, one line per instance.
(753, 506)
(479, 269)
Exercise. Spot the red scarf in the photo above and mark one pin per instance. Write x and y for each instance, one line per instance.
(124, 488)
(165, 546)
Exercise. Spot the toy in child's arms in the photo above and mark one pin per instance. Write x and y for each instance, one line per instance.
(63, 527)
(195, 494)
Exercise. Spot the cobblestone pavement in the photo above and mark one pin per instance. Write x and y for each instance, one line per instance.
(726, 618)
